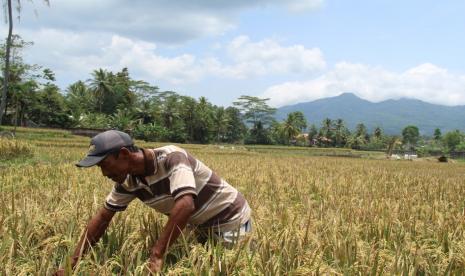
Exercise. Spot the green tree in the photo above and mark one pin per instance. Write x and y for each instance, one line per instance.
(79, 99)
(101, 86)
(6, 69)
(297, 119)
(361, 131)
(236, 129)
(437, 134)
(8, 6)
(312, 134)
(410, 135)
(188, 115)
(325, 133)
(277, 133)
(378, 133)
(341, 133)
(294, 124)
(258, 135)
(146, 111)
(289, 131)
(377, 141)
(169, 112)
(356, 142)
(452, 139)
(50, 108)
(255, 110)
(24, 82)
(359, 138)
(203, 124)
(220, 124)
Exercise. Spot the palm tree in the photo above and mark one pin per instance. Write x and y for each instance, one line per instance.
(326, 129)
(203, 122)
(100, 85)
(79, 98)
(170, 110)
(341, 132)
(220, 123)
(292, 126)
(290, 131)
(188, 115)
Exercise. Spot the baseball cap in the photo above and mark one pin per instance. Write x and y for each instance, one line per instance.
(103, 144)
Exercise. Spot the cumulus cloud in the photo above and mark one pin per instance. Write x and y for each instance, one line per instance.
(152, 20)
(426, 82)
(75, 55)
(269, 57)
(78, 54)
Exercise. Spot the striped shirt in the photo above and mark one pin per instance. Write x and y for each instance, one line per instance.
(172, 172)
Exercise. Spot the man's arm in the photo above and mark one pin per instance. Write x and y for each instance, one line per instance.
(179, 215)
(94, 231)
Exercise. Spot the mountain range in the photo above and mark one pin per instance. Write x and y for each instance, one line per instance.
(391, 115)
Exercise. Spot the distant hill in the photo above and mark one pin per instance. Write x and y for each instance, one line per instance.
(391, 115)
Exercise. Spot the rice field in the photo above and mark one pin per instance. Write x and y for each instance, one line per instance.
(312, 214)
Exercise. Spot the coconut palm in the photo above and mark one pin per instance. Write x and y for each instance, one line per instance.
(291, 127)
(101, 86)
(220, 123)
(79, 98)
(340, 133)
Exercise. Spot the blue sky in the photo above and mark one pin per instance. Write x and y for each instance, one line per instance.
(288, 50)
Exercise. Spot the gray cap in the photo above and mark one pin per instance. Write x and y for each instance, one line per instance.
(103, 144)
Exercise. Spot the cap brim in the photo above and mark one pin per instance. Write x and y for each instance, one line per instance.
(90, 161)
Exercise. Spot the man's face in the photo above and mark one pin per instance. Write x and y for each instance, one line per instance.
(115, 167)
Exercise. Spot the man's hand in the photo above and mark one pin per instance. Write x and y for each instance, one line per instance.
(155, 264)
(93, 232)
(179, 215)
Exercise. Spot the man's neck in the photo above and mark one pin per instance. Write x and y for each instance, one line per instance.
(137, 163)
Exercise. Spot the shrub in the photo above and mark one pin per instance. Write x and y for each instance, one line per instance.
(150, 132)
(94, 120)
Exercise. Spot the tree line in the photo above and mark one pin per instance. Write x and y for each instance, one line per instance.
(115, 100)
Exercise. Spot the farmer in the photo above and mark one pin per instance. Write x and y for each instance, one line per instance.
(171, 181)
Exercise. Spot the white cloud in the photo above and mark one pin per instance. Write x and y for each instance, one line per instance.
(161, 21)
(268, 57)
(304, 5)
(74, 55)
(426, 82)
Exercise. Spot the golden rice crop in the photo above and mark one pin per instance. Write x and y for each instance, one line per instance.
(12, 148)
(312, 215)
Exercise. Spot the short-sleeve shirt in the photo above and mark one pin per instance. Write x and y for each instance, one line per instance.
(175, 173)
